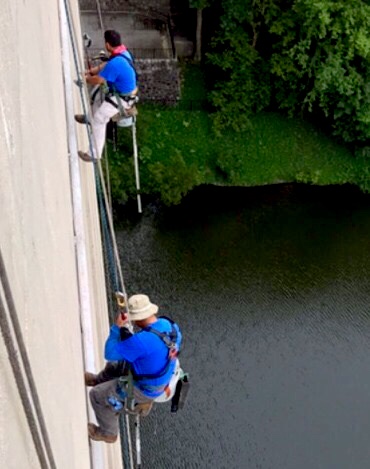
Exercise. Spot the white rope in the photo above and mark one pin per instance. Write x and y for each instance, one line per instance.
(99, 14)
(136, 165)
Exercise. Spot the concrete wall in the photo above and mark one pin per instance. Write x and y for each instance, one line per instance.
(159, 74)
(38, 244)
(160, 6)
(135, 35)
(159, 80)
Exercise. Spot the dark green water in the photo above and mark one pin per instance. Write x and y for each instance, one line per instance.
(271, 288)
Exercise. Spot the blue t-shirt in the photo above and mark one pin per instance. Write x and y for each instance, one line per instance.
(146, 352)
(120, 74)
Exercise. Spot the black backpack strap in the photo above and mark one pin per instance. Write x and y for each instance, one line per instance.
(128, 60)
(169, 338)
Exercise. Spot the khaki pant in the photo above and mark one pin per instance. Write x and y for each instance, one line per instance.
(102, 112)
(107, 389)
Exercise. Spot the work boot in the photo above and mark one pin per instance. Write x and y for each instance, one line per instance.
(85, 156)
(96, 434)
(143, 409)
(81, 119)
(90, 379)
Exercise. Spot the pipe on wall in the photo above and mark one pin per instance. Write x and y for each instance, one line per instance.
(96, 450)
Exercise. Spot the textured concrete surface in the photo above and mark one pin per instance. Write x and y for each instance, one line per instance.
(156, 6)
(158, 73)
(37, 241)
(138, 38)
(159, 80)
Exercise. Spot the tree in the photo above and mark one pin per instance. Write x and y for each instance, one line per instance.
(320, 62)
(199, 5)
(244, 84)
(302, 56)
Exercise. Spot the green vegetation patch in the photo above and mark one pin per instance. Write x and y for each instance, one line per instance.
(178, 150)
(282, 149)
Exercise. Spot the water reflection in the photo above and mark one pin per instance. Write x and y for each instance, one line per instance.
(271, 288)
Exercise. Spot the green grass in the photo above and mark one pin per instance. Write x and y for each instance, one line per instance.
(178, 150)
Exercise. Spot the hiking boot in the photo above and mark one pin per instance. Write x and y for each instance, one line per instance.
(90, 379)
(96, 434)
(143, 409)
(85, 156)
(81, 119)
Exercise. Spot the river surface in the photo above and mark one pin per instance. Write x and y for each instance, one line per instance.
(271, 287)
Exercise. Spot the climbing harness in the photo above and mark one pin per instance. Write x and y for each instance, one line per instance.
(169, 339)
(128, 111)
(129, 60)
(178, 386)
(125, 117)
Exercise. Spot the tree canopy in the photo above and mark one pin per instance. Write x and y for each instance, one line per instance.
(306, 57)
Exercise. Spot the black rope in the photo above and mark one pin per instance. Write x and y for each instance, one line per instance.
(78, 70)
(18, 375)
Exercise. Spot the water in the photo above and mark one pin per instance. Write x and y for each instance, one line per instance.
(271, 288)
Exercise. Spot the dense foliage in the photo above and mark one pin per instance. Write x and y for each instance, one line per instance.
(282, 74)
(179, 150)
(307, 57)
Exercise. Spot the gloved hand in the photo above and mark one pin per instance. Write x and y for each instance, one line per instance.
(121, 319)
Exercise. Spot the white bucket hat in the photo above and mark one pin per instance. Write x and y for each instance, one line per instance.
(140, 307)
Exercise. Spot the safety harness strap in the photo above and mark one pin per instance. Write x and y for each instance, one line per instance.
(169, 339)
(130, 99)
(128, 60)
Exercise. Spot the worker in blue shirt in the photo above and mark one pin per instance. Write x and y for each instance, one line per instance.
(117, 80)
(151, 356)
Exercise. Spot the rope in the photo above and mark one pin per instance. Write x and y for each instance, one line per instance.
(77, 62)
(99, 14)
(116, 281)
(31, 403)
(116, 278)
(107, 175)
(110, 265)
(113, 260)
(97, 164)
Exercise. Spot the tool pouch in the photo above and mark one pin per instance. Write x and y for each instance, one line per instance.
(181, 393)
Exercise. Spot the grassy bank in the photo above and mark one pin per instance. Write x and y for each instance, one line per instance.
(178, 150)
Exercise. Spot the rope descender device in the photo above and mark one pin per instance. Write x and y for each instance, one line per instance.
(120, 298)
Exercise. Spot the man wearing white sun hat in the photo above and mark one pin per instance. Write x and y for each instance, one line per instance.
(151, 355)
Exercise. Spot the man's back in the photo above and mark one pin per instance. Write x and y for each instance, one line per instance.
(119, 72)
(148, 355)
